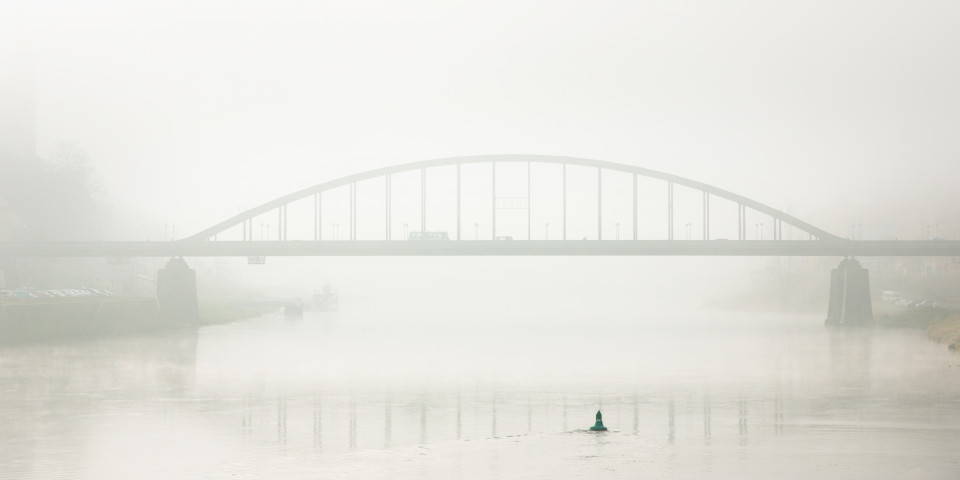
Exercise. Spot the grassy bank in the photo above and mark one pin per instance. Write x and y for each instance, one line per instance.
(942, 325)
(215, 311)
(946, 330)
(76, 300)
(212, 310)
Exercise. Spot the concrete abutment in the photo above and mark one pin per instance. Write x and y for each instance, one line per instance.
(177, 292)
(849, 295)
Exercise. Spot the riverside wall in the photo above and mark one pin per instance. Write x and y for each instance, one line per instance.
(31, 320)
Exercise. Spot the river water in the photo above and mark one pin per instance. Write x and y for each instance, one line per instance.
(480, 391)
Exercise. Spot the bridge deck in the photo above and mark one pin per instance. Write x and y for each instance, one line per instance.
(483, 247)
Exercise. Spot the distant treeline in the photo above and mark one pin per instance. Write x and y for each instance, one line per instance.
(48, 199)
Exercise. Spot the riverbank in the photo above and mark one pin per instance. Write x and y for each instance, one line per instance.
(29, 320)
(942, 324)
(25, 320)
(216, 311)
(946, 330)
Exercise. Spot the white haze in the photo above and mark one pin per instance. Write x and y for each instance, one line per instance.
(838, 112)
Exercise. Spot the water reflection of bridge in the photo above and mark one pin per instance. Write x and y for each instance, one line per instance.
(344, 422)
(63, 386)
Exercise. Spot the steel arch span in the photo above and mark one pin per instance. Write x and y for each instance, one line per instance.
(246, 218)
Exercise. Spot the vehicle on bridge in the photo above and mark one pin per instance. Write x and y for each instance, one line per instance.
(428, 236)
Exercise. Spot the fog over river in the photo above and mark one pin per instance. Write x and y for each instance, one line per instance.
(155, 122)
(474, 386)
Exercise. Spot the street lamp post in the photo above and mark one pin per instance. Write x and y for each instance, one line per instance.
(476, 231)
(405, 226)
(618, 230)
(546, 231)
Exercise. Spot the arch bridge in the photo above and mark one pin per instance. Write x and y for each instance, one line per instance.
(849, 297)
(246, 220)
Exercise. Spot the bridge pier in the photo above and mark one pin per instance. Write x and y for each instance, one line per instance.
(177, 292)
(849, 295)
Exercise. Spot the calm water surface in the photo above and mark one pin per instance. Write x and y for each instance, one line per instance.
(483, 393)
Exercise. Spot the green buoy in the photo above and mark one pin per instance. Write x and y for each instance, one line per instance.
(598, 427)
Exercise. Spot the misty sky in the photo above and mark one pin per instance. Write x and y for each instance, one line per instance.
(837, 112)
